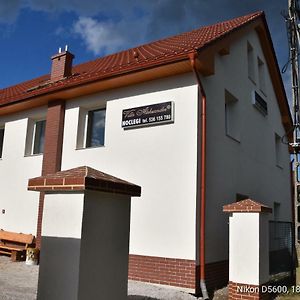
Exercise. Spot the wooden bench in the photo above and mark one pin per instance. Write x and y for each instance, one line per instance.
(15, 244)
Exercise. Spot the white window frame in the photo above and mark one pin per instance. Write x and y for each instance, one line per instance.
(30, 136)
(82, 129)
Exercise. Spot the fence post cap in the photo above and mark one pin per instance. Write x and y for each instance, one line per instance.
(247, 205)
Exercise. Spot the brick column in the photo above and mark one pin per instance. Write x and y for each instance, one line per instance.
(248, 249)
(52, 152)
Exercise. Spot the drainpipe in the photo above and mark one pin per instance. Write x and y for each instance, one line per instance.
(201, 165)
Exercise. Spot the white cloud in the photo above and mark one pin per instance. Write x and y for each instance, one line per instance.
(98, 36)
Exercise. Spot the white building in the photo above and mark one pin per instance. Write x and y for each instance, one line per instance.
(77, 116)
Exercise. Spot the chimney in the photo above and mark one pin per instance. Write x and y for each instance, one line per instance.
(61, 65)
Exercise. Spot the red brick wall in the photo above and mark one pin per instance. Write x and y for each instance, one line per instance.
(217, 275)
(52, 152)
(176, 272)
(61, 66)
(53, 137)
(248, 292)
(168, 271)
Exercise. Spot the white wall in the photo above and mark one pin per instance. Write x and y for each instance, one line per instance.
(21, 206)
(248, 255)
(247, 167)
(161, 159)
(63, 215)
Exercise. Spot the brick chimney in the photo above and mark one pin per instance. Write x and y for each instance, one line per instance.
(61, 65)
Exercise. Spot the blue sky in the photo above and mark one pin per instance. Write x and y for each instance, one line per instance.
(31, 31)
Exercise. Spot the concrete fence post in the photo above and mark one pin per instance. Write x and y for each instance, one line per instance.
(85, 235)
(248, 250)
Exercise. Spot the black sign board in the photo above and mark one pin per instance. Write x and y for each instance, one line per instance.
(148, 115)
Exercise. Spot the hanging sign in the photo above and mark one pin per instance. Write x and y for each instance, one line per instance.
(149, 115)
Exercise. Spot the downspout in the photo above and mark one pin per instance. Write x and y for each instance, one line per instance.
(201, 165)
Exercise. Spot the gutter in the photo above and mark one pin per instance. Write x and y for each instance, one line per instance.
(201, 171)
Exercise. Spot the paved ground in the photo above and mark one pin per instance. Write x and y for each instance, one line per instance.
(19, 282)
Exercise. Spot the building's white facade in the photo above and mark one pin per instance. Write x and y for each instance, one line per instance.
(247, 161)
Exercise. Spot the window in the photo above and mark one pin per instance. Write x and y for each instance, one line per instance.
(35, 137)
(1, 140)
(250, 57)
(278, 150)
(259, 103)
(39, 137)
(95, 128)
(261, 75)
(232, 116)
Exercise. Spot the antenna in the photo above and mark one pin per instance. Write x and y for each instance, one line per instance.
(59, 50)
(66, 48)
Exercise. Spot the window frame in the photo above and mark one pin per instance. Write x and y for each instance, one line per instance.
(34, 137)
(84, 129)
(278, 151)
(261, 67)
(89, 128)
(2, 141)
(30, 136)
(251, 63)
(231, 108)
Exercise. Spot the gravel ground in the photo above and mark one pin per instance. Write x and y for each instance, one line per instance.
(19, 282)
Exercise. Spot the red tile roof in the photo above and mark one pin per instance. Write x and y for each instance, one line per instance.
(80, 179)
(156, 53)
(247, 205)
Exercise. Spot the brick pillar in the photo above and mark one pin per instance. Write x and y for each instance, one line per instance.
(52, 152)
(248, 250)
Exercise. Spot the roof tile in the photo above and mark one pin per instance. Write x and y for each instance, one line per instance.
(158, 52)
(83, 178)
(247, 205)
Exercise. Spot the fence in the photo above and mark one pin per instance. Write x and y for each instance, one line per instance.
(281, 247)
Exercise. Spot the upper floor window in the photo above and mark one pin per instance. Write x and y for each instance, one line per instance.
(278, 150)
(95, 128)
(251, 63)
(1, 140)
(261, 75)
(91, 128)
(35, 138)
(232, 116)
(39, 137)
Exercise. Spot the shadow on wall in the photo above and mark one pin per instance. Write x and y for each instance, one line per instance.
(134, 297)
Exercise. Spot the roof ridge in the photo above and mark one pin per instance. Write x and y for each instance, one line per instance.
(253, 15)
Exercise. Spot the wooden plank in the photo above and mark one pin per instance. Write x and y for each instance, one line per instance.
(13, 248)
(16, 237)
(5, 252)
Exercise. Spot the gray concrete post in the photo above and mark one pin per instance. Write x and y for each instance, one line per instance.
(85, 235)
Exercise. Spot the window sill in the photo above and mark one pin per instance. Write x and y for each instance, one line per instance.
(233, 138)
(86, 148)
(33, 155)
